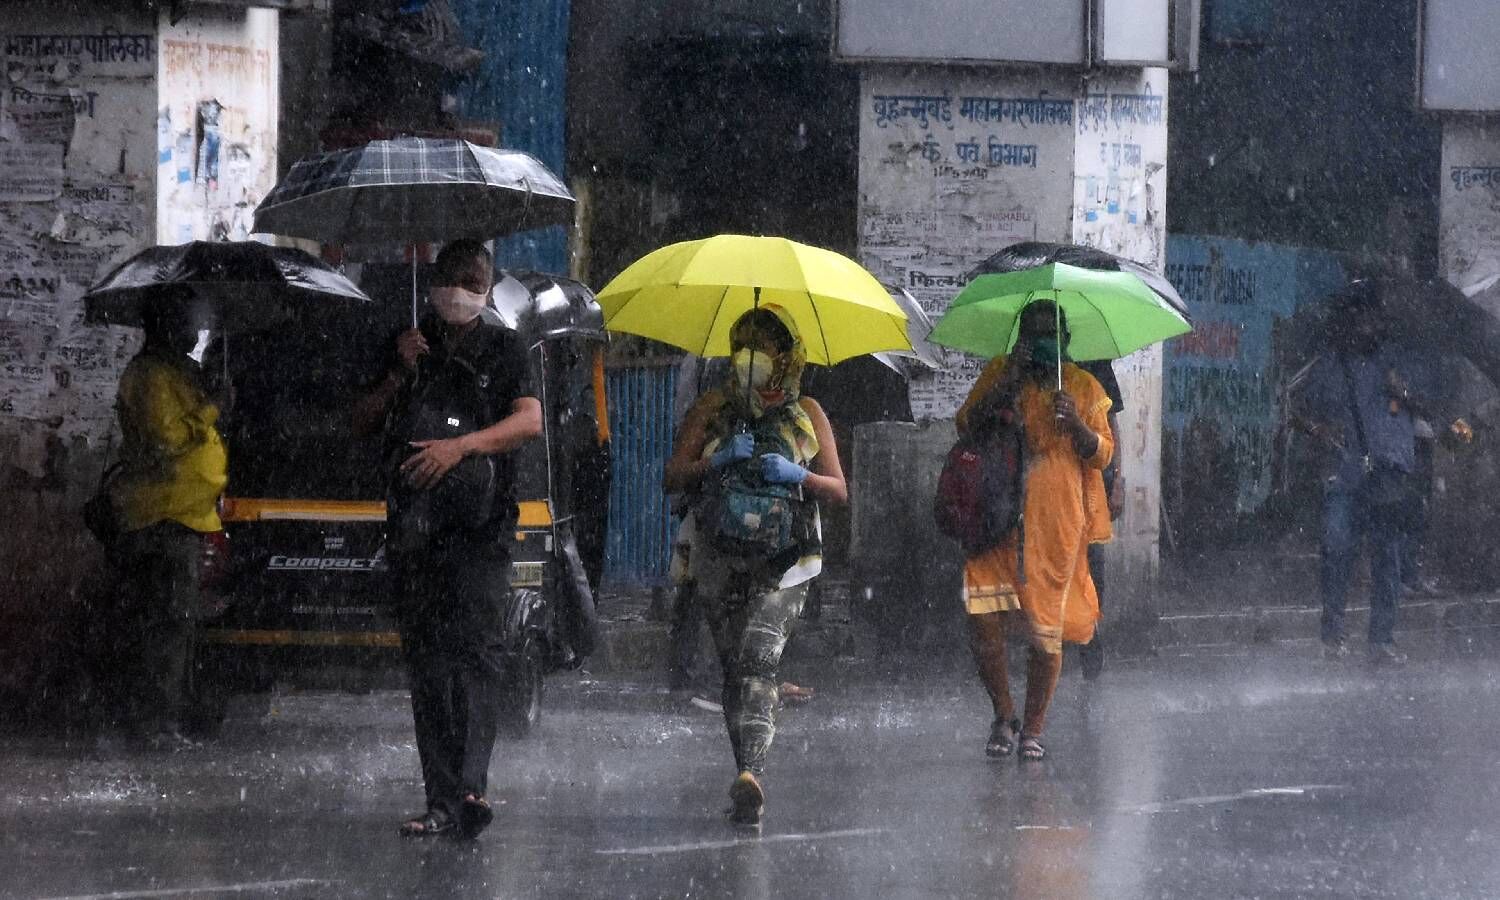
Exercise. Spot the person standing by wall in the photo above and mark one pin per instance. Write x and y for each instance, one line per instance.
(173, 469)
(452, 514)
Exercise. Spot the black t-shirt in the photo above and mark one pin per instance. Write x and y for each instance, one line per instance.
(1104, 373)
(479, 377)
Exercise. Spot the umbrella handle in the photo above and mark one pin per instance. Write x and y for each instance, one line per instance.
(1057, 313)
(414, 285)
(525, 204)
(750, 378)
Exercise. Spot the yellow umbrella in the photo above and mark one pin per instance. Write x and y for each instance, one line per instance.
(690, 294)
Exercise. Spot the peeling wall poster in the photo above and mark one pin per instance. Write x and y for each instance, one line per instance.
(38, 125)
(164, 139)
(183, 150)
(97, 209)
(23, 374)
(30, 173)
(209, 112)
(77, 104)
(218, 90)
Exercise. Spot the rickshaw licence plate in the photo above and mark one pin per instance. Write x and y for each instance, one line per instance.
(526, 574)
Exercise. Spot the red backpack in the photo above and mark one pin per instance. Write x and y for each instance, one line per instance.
(981, 491)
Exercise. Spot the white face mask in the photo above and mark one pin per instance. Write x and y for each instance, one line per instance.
(754, 368)
(457, 306)
(201, 347)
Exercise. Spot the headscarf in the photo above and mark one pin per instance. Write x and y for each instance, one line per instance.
(778, 398)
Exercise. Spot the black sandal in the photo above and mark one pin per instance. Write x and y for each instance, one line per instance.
(1002, 740)
(1032, 749)
(429, 824)
(475, 815)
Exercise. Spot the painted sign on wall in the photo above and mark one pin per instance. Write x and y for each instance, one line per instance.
(953, 167)
(1220, 402)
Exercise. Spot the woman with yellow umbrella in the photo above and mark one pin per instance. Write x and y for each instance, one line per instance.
(758, 453)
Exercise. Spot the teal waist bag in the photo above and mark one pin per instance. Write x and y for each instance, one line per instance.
(746, 516)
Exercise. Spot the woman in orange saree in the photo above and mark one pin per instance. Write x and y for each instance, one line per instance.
(1051, 598)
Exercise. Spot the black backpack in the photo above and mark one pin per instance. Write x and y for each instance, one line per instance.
(448, 400)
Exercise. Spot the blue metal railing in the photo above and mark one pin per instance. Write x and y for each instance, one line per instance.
(638, 548)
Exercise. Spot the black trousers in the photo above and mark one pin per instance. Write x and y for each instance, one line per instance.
(150, 628)
(591, 480)
(451, 607)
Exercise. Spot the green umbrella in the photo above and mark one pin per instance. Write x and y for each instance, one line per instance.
(1110, 314)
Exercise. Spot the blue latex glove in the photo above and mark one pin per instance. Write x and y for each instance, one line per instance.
(739, 447)
(777, 469)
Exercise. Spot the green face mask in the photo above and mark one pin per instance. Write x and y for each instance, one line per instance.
(1044, 350)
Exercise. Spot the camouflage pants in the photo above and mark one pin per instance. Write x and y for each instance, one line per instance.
(750, 623)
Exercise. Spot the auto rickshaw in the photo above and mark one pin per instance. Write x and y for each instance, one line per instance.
(301, 585)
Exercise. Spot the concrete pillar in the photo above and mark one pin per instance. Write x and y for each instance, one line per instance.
(218, 78)
(1469, 209)
(956, 163)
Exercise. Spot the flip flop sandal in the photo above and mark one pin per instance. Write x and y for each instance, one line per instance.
(474, 815)
(1032, 750)
(795, 695)
(1002, 740)
(429, 824)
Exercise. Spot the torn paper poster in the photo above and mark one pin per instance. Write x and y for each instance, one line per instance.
(30, 173)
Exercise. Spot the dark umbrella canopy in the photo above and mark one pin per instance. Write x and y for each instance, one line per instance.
(1031, 254)
(246, 286)
(1428, 316)
(414, 189)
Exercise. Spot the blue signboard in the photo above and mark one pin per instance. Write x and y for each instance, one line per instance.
(1218, 391)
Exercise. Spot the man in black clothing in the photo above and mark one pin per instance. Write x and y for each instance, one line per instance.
(454, 404)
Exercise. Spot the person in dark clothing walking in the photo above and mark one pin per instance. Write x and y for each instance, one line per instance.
(1358, 405)
(455, 403)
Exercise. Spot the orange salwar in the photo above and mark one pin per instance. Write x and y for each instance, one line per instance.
(1065, 510)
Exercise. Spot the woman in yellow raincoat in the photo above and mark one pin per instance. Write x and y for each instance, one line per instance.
(1068, 443)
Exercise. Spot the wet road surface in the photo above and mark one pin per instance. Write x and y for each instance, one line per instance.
(1271, 774)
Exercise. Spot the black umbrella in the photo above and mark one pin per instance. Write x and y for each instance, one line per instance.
(1427, 316)
(238, 286)
(1030, 254)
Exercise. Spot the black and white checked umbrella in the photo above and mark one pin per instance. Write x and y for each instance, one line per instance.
(414, 189)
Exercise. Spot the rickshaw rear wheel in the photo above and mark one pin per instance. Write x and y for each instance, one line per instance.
(521, 698)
